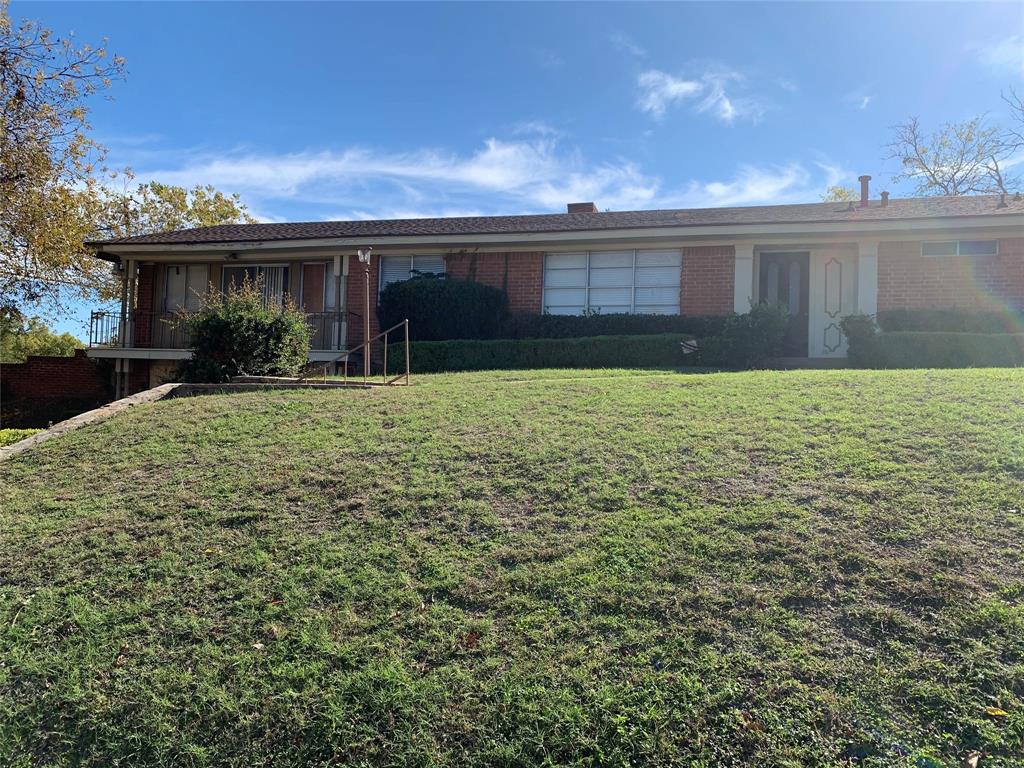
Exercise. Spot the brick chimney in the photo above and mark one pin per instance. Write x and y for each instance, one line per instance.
(581, 208)
(864, 190)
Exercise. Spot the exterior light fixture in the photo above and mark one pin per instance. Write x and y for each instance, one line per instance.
(364, 258)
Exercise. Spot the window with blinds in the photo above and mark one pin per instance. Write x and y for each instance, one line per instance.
(273, 278)
(185, 286)
(395, 269)
(611, 282)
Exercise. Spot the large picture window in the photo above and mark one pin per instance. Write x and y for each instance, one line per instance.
(395, 269)
(610, 282)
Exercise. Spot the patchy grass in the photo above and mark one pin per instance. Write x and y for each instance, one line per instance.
(12, 436)
(770, 569)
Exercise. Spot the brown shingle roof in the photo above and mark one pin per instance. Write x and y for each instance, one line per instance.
(904, 209)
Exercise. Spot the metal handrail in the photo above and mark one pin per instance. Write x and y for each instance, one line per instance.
(365, 346)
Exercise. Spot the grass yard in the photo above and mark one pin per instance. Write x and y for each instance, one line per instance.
(808, 568)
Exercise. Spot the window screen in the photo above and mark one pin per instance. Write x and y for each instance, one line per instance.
(611, 282)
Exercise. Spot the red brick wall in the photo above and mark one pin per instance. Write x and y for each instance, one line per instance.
(520, 274)
(144, 304)
(907, 280)
(138, 376)
(355, 297)
(43, 376)
(706, 285)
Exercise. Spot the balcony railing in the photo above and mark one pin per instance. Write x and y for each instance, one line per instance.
(166, 330)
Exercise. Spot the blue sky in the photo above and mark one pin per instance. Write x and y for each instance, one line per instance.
(315, 111)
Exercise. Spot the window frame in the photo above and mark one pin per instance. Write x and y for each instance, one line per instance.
(412, 266)
(958, 254)
(632, 286)
(167, 284)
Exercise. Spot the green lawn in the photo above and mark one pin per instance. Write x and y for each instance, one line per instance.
(608, 568)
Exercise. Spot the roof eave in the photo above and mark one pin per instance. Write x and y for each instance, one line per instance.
(855, 229)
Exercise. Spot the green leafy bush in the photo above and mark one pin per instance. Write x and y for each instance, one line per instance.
(238, 333)
(915, 349)
(748, 340)
(532, 326)
(949, 319)
(859, 330)
(650, 351)
(439, 308)
(12, 436)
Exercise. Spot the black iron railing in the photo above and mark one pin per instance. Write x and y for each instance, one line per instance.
(328, 330)
(157, 330)
(168, 330)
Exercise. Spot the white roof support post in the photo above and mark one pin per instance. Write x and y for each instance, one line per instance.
(867, 276)
(743, 287)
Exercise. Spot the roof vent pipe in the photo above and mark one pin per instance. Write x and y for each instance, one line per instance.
(864, 190)
(885, 199)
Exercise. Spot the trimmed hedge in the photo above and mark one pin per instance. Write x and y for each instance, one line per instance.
(647, 351)
(749, 340)
(531, 326)
(440, 308)
(950, 320)
(913, 349)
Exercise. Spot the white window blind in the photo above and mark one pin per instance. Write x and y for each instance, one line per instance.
(610, 282)
(395, 269)
(274, 278)
(185, 286)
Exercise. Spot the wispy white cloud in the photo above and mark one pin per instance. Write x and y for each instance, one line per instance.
(1002, 57)
(532, 172)
(549, 60)
(535, 128)
(859, 98)
(660, 90)
(834, 174)
(523, 175)
(787, 85)
(752, 185)
(623, 42)
(707, 93)
(404, 213)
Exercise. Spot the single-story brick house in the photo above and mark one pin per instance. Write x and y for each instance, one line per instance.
(824, 260)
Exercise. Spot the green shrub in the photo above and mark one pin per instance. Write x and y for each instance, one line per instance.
(859, 330)
(748, 340)
(949, 319)
(238, 333)
(650, 351)
(914, 349)
(439, 308)
(533, 326)
(12, 436)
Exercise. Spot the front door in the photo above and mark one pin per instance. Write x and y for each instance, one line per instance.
(833, 297)
(783, 278)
